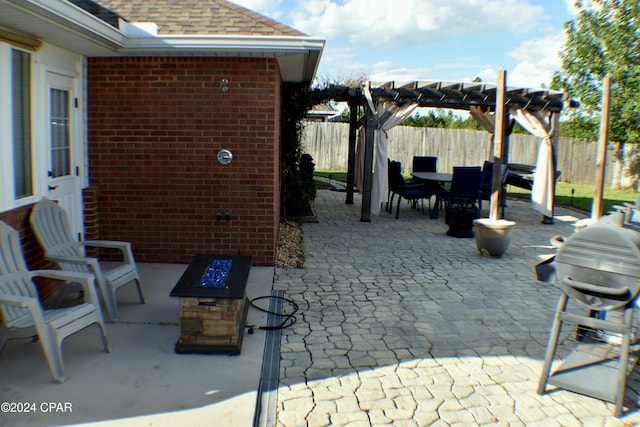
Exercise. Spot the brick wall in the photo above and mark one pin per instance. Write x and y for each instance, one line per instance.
(91, 221)
(155, 128)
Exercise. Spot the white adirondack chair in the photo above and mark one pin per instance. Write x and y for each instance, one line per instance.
(22, 313)
(51, 228)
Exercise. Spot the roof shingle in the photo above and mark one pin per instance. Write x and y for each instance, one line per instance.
(190, 17)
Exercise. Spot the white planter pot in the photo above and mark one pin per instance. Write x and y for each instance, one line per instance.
(493, 235)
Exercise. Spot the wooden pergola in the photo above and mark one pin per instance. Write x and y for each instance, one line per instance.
(487, 97)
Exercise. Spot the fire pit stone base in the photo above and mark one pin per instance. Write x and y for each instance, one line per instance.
(213, 304)
(211, 325)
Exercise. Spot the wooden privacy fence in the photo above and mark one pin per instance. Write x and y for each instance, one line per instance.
(328, 145)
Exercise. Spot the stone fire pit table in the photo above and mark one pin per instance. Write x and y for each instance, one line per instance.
(213, 304)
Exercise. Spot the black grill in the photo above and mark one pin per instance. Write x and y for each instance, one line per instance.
(598, 267)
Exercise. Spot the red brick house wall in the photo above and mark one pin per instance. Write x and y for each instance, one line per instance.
(155, 128)
(19, 219)
(34, 255)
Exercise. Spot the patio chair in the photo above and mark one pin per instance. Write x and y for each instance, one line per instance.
(460, 201)
(51, 228)
(22, 313)
(425, 164)
(465, 186)
(398, 186)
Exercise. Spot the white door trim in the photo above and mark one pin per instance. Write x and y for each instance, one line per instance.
(66, 189)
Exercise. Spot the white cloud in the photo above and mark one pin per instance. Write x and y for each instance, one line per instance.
(386, 70)
(537, 60)
(571, 7)
(407, 22)
(450, 71)
(265, 7)
(490, 75)
(364, 37)
(341, 64)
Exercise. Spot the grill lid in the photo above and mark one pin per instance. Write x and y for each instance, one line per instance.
(599, 266)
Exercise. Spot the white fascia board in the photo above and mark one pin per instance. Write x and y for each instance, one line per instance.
(257, 46)
(72, 18)
(298, 57)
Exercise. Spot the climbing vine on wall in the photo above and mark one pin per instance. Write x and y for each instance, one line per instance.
(298, 189)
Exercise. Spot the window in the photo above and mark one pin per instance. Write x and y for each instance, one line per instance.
(60, 140)
(21, 104)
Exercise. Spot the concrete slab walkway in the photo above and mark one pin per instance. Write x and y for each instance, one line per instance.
(142, 382)
(402, 325)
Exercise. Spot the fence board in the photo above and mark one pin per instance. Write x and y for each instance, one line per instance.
(328, 145)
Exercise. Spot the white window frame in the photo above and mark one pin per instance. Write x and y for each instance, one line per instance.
(8, 199)
(6, 135)
(46, 60)
(28, 145)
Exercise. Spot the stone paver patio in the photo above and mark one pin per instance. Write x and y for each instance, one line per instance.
(402, 325)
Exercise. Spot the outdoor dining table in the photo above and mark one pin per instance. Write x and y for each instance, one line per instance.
(438, 177)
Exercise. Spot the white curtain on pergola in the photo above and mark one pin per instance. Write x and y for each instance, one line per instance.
(389, 115)
(539, 124)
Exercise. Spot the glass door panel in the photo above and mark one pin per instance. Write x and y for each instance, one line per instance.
(60, 133)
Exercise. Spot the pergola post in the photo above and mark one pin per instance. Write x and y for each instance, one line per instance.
(504, 159)
(596, 209)
(351, 160)
(498, 151)
(555, 137)
(370, 120)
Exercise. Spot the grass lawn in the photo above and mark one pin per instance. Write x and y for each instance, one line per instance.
(579, 196)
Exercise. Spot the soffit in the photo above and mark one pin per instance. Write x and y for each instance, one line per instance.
(60, 23)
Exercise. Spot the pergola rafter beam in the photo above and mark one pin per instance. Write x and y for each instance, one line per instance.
(464, 95)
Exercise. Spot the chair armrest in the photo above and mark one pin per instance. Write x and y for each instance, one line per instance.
(86, 280)
(70, 260)
(15, 300)
(124, 247)
(67, 276)
(115, 244)
(91, 263)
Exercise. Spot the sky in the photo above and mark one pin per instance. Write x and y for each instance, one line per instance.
(449, 40)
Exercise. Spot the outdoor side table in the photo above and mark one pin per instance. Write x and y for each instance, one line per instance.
(213, 304)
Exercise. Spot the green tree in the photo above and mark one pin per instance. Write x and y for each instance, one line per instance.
(580, 127)
(432, 119)
(604, 39)
(297, 184)
(441, 118)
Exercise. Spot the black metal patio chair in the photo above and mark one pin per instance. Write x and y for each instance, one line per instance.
(461, 200)
(398, 186)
